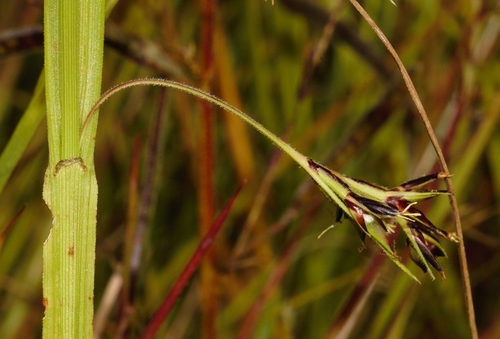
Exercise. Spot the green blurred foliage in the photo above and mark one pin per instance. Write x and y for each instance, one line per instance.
(353, 115)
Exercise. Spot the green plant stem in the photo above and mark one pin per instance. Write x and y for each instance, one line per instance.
(74, 38)
(299, 158)
(70, 124)
(296, 156)
(432, 136)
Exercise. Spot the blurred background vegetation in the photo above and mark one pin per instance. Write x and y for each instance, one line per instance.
(312, 72)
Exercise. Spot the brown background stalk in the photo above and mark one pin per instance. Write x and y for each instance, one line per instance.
(208, 280)
(432, 136)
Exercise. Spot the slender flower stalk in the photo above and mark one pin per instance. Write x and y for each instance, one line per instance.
(377, 210)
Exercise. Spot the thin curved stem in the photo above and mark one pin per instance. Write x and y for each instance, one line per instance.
(299, 158)
(442, 162)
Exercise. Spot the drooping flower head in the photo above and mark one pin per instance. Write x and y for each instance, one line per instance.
(378, 211)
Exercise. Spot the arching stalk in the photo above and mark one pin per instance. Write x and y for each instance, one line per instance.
(298, 157)
(375, 209)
